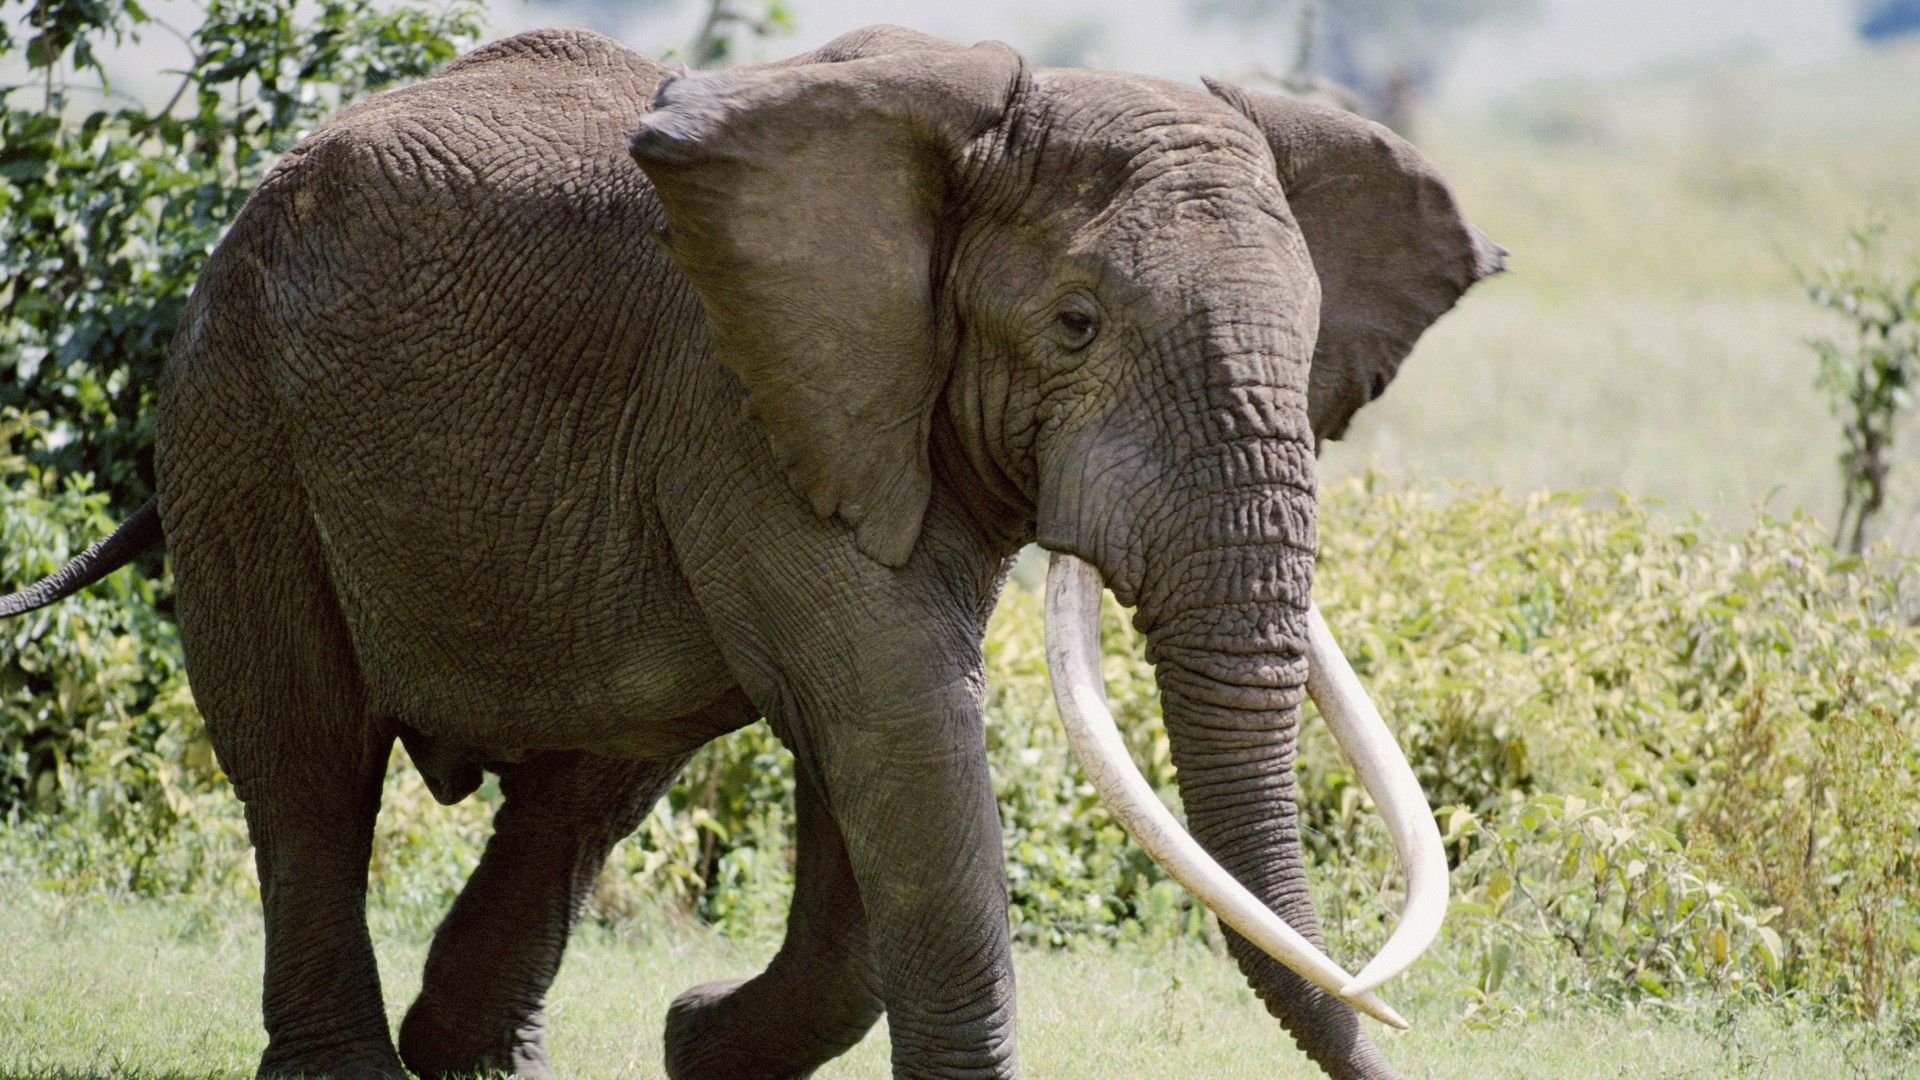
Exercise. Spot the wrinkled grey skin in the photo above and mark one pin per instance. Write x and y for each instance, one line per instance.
(479, 436)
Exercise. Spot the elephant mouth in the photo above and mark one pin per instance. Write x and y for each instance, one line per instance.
(1073, 599)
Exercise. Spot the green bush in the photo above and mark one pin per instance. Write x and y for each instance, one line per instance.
(1670, 761)
(96, 723)
(1599, 901)
(1688, 757)
(109, 208)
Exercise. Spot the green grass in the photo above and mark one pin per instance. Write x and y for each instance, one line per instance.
(169, 990)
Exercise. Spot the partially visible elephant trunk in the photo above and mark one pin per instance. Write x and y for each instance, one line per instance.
(1221, 575)
(1235, 761)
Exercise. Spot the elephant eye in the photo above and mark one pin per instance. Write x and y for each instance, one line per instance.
(1077, 327)
(1378, 387)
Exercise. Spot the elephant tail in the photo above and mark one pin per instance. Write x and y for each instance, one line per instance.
(134, 536)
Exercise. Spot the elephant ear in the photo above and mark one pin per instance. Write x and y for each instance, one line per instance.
(1389, 243)
(805, 204)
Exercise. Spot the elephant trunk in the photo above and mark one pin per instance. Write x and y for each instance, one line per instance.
(1231, 635)
(1232, 718)
(1232, 674)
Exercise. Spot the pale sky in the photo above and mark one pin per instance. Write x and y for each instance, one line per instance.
(1567, 38)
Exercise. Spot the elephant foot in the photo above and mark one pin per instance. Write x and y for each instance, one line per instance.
(437, 1041)
(711, 1037)
(339, 1063)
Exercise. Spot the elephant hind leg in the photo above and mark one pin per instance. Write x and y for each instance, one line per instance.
(482, 1002)
(276, 678)
(813, 1002)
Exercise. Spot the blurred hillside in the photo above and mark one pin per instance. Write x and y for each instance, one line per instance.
(1651, 335)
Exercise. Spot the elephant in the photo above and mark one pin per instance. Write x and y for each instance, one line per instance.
(558, 413)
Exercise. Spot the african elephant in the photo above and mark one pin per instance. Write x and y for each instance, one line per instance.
(556, 415)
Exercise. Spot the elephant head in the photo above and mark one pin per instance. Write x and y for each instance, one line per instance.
(1113, 315)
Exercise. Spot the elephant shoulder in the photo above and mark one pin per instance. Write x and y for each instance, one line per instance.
(534, 85)
(524, 116)
(878, 40)
(567, 48)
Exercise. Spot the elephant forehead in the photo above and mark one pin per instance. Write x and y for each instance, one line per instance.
(1125, 164)
(1115, 124)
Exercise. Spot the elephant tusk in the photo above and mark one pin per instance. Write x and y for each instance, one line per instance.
(1073, 662)
(1368, 743)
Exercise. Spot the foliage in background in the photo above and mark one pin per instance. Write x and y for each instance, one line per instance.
(1870, 376)
(108, 208)
(1686, 759)
(1672, 763)
(717, 44)
(98, 734)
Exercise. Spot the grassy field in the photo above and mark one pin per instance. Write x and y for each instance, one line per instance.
(158, 990)
(1651, 333)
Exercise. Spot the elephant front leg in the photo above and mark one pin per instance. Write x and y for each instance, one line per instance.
(482, 1000)
(872, 676)
(915, 805)
(817, 997)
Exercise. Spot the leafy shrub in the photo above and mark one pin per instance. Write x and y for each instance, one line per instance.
(1755, 697)
(95, 717)
(108, 214)
(1599, 900)
(1870, 379)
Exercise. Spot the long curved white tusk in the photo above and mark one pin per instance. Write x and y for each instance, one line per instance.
(1073, 661)
(1368, 743)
